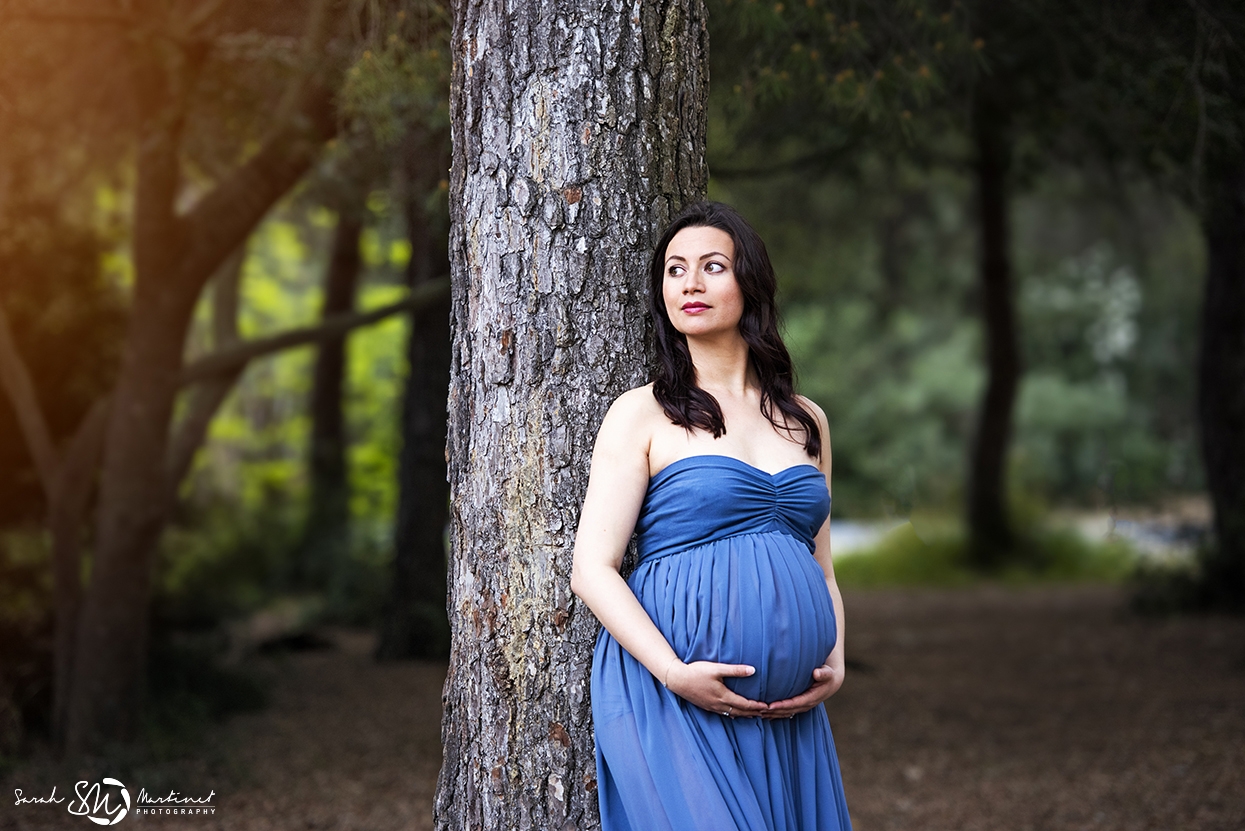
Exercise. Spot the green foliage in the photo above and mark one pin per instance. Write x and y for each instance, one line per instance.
(402, 77)
(868, 231)
(376, 379)
(224, 562)
(1165, 92)
(877, 290)
(902, 558)
(227, 563)
(233, 550)
(67, 321)
(899, 394)
(880, 61)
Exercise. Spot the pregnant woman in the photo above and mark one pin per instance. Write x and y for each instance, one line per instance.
(718, 651)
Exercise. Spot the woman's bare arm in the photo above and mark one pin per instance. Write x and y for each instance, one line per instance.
(617, 482)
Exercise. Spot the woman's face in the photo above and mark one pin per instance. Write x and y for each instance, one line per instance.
(699, 287)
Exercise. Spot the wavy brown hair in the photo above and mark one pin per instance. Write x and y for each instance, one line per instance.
(674, 376)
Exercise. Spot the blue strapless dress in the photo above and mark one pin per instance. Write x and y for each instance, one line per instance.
(726, 572)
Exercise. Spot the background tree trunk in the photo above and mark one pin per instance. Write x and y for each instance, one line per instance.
(415, 623)
(174, 256)
(68, 506)
(989, 527)
(67, 479)
(1221, 382)
(578, 131)
(110, 658)
(326, 538)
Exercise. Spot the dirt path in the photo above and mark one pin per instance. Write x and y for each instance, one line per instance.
(1040, 709)
(972, 709)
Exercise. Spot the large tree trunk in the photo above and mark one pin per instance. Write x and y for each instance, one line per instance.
(415, 623)
(578, 131)
(326, 538)
(990, 534)
(1221, 383)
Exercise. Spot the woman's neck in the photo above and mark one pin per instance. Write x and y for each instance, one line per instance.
(722, 365)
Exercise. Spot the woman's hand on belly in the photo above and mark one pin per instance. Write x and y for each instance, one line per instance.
(700, 682)
(826, 682)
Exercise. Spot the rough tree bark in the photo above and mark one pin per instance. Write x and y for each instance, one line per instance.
(326, 537)
(579, 129)
(991, 538)
(1221, 382)
(415, 623)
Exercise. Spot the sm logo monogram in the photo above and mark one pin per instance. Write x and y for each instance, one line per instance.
(95, 804)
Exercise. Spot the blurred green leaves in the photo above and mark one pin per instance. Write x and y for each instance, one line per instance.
(882, 61)
(402, 77)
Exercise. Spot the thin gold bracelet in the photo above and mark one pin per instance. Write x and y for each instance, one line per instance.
(667, 678)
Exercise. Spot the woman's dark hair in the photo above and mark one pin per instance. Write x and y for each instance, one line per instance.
(674, 384)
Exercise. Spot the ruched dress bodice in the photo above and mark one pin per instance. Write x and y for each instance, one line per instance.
(701, 499)
(725, 570)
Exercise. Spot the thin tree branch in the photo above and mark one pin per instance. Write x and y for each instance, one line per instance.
(15, 377)
(73, 477)
(207, 397)
(235, 357)
(201, 16)
(1195, 77)
(225, 299)
(310, 61)
(817, 159)
(222, 219)
(79, 18)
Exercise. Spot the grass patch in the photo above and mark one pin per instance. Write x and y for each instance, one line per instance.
(1044, 555)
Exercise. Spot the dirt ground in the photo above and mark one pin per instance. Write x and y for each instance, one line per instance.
(985, 708)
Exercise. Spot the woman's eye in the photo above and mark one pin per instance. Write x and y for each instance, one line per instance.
(675, 271)
(714, 268)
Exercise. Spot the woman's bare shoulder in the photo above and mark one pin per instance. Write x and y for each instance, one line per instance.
(812, 406)
(630, 418)
(817, 412)
(637, 402)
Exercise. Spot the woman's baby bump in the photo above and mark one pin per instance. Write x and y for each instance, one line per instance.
(762, 601)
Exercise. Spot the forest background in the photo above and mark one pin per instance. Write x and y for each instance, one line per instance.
(253, 198)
